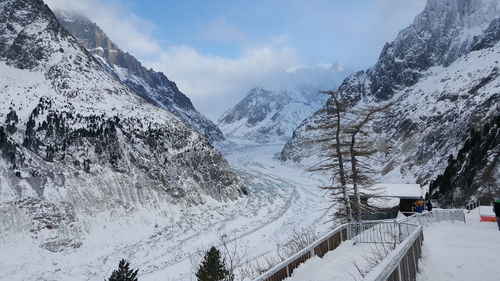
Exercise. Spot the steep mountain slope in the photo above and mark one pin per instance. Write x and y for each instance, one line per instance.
(270, 114)
(75, 141)
(153, 86)
(474, 168)
(444, 70)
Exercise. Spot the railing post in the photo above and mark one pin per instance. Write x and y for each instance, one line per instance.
(400, 235)
(348, 230)
(400, 276)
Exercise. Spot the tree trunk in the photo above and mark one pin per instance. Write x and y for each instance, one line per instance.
(357, 199)
(343, 181)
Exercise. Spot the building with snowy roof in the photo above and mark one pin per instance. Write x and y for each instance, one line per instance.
(386, 200)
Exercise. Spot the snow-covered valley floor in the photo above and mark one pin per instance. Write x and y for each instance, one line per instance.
(166, 242)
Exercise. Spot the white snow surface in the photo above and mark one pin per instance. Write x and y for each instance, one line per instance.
(383, 202)
(461, 252)
(166, 241)
(395, 190)
(486, 211)
(335, 265)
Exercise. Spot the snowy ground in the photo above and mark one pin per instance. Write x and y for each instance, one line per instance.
(339, 264)
(461, 252)
(166, 242)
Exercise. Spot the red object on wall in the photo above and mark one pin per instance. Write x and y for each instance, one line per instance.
(488, 218)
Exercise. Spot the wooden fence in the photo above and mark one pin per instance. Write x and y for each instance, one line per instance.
(319, 248)
(402, 263)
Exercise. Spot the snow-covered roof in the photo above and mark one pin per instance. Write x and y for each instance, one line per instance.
(383, 202)
(400, 190)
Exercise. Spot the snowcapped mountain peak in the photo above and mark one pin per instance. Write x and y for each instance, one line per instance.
(268, 114)
(441, 33)
(153, 86)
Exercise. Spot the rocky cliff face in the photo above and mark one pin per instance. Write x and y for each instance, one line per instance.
(444, 70)
(443, 32)
(75, 141)
(153, 86)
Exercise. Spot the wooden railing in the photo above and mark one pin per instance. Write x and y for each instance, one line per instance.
(320, 247)
(401, 265)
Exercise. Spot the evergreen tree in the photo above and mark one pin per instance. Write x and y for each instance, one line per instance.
(124, 273)
(472, 169)
(212, 267)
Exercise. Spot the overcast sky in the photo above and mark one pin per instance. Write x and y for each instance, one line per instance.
(216, 50)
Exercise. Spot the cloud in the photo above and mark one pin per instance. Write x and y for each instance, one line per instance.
(215, 83)
(221, 30)
(267, 41)
(130, 32)
(212, 82)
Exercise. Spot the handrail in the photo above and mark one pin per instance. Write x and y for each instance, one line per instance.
(436, 216)
(402, 263)
(391, 263)
(284, 269)
(309, 249)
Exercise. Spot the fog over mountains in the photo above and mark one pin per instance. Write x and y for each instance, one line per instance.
(269, 114)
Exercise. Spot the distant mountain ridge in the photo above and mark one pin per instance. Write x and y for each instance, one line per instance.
(153, 86)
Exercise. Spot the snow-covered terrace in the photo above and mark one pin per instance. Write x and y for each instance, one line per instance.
(451, 251)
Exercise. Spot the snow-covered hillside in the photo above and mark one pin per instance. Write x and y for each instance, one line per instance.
(153, 86)
(76, 142)
(270, 114)
(444, 70)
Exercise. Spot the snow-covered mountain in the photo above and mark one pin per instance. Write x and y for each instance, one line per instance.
(270, 114)
(75, 141)
(153, 86)
(444, 69)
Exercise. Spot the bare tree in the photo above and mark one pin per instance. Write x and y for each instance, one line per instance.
(234, 253)
(361, 146)
(296, 242)
(345, 138)
(334, 147)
